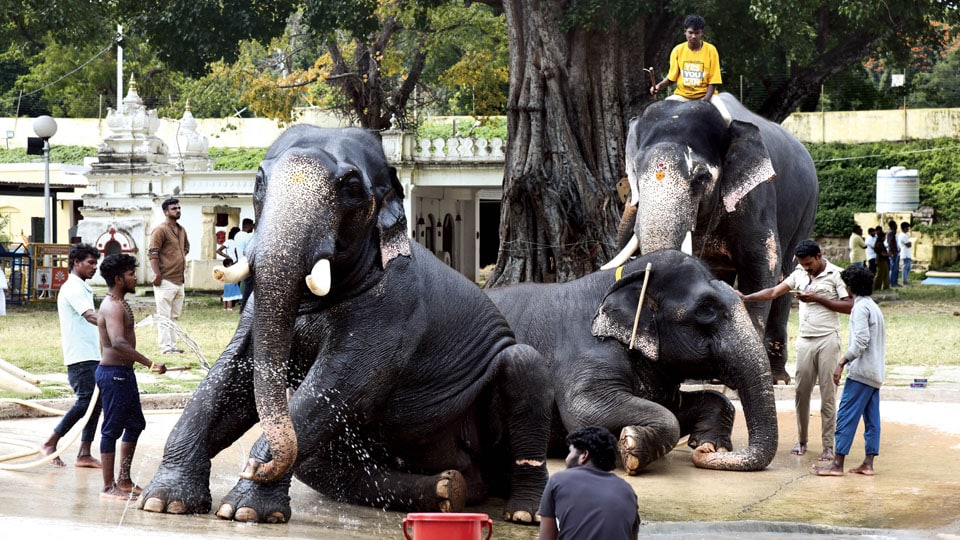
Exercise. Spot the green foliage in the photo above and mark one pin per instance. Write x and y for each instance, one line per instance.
(72, 155)
(848, 180)
(237, 159)
(463, 126)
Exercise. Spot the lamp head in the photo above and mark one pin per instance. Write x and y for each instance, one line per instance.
(45, 126)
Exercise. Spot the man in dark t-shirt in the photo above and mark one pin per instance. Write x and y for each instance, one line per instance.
(587, 501)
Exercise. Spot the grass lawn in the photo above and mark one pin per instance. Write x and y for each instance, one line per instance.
(923, 329)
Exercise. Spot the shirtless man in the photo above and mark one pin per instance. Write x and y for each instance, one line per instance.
(122, 414)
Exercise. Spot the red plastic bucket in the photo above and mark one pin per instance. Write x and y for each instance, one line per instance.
(447, 526)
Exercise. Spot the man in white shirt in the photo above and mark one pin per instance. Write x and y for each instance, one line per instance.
(242, 242)
(81, 352)
(871, 253)
(906, 251)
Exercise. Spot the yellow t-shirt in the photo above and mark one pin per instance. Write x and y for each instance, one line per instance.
(693, 71)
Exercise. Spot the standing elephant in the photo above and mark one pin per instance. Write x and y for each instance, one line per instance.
(407, 387)
(691, 325)
(743, 186)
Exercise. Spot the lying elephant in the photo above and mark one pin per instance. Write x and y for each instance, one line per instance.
(691, 326)
(741, 187)
(409, 390)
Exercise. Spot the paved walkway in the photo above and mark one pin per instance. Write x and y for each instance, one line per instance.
(915, 494)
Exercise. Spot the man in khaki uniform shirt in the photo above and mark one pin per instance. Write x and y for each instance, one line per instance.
(168, 259)
(822, 296)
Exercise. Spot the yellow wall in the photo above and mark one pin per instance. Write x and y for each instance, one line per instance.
(21, 209)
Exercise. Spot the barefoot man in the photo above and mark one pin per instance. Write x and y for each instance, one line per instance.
(861, 393)
(81, 352)
(122, 414)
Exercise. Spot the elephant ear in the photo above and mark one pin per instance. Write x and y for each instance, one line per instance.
(618, 310)
(392, 222)
(746, 166)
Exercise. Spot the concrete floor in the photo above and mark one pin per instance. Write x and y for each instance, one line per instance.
(915, 494)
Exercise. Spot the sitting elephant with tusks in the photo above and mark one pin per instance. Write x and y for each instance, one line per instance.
(690, 326)
(407, 387)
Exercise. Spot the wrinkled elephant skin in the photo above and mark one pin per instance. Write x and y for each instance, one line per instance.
(743, 186)
(407, 387)
(691, 326)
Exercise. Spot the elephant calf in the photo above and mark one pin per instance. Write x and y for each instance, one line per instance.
(691, 326)
(409, 390)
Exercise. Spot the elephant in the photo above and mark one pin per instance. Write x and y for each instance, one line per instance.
(733, 188)
(407, 388)
(691, 326)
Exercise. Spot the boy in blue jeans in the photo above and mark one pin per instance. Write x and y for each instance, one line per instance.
(861, 393)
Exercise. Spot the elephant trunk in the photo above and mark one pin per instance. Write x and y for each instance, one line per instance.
(282, 271)
(754, 386)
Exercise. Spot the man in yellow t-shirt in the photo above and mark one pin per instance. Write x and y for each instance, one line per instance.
(694, 65)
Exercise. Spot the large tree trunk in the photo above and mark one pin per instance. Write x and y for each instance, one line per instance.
(572, 94)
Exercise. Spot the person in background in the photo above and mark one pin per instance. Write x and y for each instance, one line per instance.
(822, 296)
(694, 65)
(242, 242)
(587, 501)
(894, 251)
(3, 292)
(81, 353)
(858, 247)
(906, 251)
(871, 253)
(168, 250)
(881, 279)
(861, 392)
(122, 413)
(231, 291)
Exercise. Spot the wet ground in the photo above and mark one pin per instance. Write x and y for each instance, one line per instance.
(915, 494)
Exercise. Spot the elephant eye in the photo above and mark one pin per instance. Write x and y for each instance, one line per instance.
(708, 311)
(351, 187)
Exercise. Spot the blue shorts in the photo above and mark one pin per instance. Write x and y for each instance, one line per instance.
(122, 414)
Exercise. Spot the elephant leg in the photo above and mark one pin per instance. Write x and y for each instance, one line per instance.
(707, 417)
(648, 430)
(775, 338)
(526, 414)
(221, 410)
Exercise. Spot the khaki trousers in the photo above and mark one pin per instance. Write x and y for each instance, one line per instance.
(169, 299)
(817, 358)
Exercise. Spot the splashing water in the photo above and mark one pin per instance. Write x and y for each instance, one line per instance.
(160, 320)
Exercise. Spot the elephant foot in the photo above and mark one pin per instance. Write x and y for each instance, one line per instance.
(257, 502)
(637, 449)
(528, 480)
(174, 491)
(451, 491)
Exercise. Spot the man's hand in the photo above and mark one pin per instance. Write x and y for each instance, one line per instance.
(157, 278)
(837, 373)
(160, 368)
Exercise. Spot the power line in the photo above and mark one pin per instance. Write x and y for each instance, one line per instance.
(924, 150)
(78, 68)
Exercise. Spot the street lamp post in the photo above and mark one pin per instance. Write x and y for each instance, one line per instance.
(46, 127)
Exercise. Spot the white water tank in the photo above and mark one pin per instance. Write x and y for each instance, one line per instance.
(898, 190)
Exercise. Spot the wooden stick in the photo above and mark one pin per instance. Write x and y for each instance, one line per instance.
(643, 292)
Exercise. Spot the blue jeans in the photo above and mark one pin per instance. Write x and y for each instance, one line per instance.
(858, 400)
(907, 266)
(83, 379)
(894, 270)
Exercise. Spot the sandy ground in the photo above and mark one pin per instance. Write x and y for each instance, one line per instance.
(915, 494)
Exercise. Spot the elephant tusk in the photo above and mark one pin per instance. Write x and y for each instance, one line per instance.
(319, 279)
(624, 254)
(687, 246)
(233, 274)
